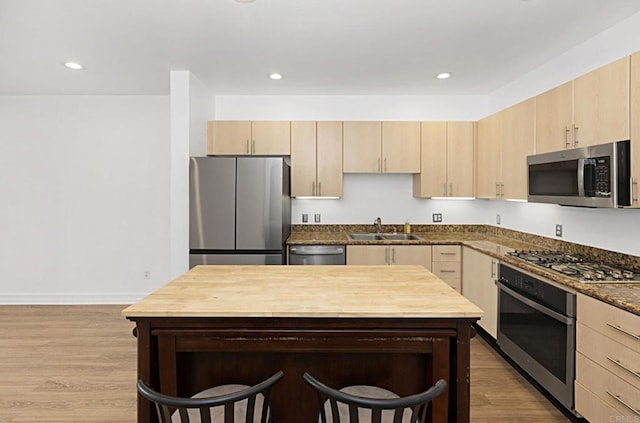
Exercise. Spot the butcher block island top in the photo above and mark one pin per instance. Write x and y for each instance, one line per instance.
(306, 292)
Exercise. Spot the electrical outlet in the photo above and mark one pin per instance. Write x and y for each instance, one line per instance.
(317, 217)
(147, 274)
(437, 217)
(559, 230)
(305, 217)
(498, 219)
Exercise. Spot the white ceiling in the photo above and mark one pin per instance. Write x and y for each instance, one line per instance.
(320, 46)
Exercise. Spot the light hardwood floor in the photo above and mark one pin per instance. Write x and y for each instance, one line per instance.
(77, 364)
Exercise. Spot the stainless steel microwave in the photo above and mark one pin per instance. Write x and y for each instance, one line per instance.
(592, 176)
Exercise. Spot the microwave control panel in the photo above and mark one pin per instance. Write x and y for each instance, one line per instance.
(603, 177)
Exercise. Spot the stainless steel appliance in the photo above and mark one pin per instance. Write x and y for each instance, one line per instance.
(593, 176)
(318, 254)
(240, 210)
(536, 329)
(577, 267)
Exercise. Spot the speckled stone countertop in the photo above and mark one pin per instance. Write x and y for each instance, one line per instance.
(495, 242)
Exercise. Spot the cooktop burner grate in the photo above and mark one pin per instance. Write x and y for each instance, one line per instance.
(581, 268)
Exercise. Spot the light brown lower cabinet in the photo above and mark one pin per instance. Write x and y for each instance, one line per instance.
(389, 255)
(607, 362)
(479, 286)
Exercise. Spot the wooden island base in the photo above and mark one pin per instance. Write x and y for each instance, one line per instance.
(186, 353)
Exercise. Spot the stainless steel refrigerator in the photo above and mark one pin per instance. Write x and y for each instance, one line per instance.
(240, 210)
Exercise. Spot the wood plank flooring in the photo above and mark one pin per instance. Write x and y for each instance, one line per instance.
(77, 364)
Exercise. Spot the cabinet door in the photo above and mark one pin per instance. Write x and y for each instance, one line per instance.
(489, 171)
(401, 147)
(411, 255)
(362, 147)
(518, 132)
(329, 159)
(478, 286)
(460, 159)
(554, 116)
(367, 254)
(601, 104)
(271, 138)
(432, 179)
(229, 137)
(303, 159)
(635, 125)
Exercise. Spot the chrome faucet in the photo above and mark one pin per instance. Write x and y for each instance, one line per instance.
(378, 223)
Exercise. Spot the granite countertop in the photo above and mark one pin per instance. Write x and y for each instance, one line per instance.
(307, 292)
(625, 296)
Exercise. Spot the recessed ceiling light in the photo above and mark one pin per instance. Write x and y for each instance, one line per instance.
(74, 65)
(275, 76)
(443, 75)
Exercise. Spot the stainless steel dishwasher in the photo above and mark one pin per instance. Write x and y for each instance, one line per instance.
(317, 254)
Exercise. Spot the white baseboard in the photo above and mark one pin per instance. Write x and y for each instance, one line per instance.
(68, 298)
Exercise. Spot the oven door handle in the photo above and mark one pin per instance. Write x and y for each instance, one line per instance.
(542, 309)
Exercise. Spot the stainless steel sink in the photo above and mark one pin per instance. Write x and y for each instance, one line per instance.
(364, 237)
(381, 237)
(400, 237)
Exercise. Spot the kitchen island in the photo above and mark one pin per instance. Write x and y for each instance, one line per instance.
(398, 327)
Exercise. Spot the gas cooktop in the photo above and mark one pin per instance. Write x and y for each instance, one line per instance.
(583, 269)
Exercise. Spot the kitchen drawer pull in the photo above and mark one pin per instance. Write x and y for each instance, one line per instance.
(448, 254)
(248, 149)
(566, 137)
(319, 189)
(448, 271)
(622, 366)
(626, 332)
(623, 402)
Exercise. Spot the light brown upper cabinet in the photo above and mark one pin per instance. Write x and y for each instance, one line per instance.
(505, 139)
(554, 119)
(316, 159)
(635, 125)
(447, 160)
(601, 104)
(489, 169)
(387, 147)
(237, 137)
(517, 140)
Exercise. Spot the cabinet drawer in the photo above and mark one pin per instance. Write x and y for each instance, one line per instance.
(614, 357)
(607, 386)
(446, 269)
(446, 253)
(617, 324)
(593, 408)
(453, 283)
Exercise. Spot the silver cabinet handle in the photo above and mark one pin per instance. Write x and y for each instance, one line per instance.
(386, 255)
(248, 151)
(493, 271)
(444, 189)
(313, 188)
(566, 137)
(448, 254)
(319, 189)
(253, 146)
(447, 271)
(379, 168)
(385, 164)
(623, 402)
(634, 190)
(622, 366)
(502, 189)
(393, 255)
(497, 189)
(626, 332)
(575, 135)
(450, 189)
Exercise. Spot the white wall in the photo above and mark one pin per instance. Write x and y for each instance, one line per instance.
(84, 198)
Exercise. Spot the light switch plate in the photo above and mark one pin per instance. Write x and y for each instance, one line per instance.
(559, 230)
(317, 217)
(437, 217)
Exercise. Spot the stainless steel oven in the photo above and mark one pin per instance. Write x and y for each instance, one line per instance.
(536, 329)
